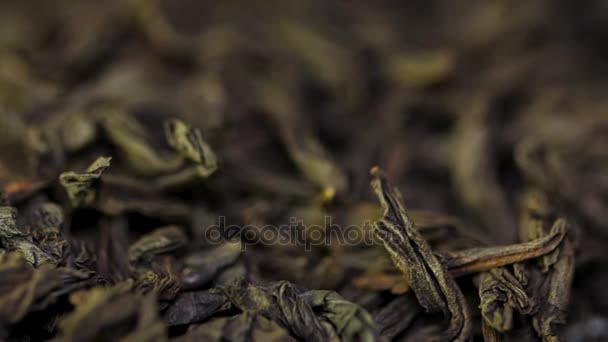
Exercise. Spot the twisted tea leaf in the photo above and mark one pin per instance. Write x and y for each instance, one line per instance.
(189, 144)
(80, 187)
(557, 287)
(351, 322)
(557, 267)
(501, 293)
(281, 303)
(534, 218)
(428, 277)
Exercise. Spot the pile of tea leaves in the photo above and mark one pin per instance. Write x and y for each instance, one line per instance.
(303, 171)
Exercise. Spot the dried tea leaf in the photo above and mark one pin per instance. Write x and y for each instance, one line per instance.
(160, 241)
(350, 321)
(555, 268)
(242, 328)
(189, 144)
(501, 293)
(435, 289)
(200, 268)
(81, 187)
(193, 307)
(557, 286)
(14, 239)
(484, 258)
(281, 303)
(534, 220)
(111, 314)
(148, 268)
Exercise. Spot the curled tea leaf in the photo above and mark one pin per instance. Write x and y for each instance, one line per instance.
(351, 321)
(501, 293)
(187, 141)
(80, 187)
(280, 303)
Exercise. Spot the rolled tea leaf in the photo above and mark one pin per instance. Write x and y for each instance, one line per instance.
(200, 161)
(428, 277)
(80, 187)
(556, 289)
(281, 303)
(188, 142)
(550, 278)
(351, 321)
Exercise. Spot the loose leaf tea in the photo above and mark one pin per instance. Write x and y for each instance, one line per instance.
(186, 170)
(79, 186)
(434, 287)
